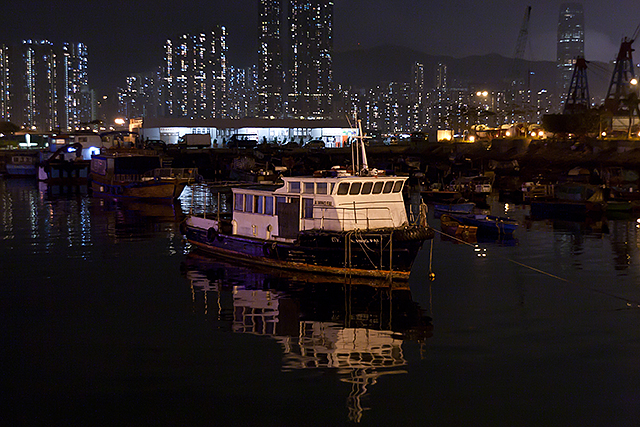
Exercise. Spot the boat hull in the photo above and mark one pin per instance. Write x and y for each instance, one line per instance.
(376, 253)
(454, 207)
(488, 224)
(168, 190)
(64, 172)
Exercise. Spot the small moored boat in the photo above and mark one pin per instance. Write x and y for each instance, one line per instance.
(488, 224)
(452, 227)
(138, 175)
(459, 206)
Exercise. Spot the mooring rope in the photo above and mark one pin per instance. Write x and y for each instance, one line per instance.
(628, 301)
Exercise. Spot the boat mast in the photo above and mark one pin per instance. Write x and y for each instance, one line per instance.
(358, 152)
(365, 164)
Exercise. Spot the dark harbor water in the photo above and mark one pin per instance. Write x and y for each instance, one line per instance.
(109, 319)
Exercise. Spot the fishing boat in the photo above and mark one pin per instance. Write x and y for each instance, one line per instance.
(137, 175)
(65, 166)
(334, 222)
(458, 206)
(454, 228)
(488, 224)
(22, 164)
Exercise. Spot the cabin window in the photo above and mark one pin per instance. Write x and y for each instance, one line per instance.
(355, 188)
(294, 186)
(333, 186)
(268, 205)
(388, 186)
(366, 188)
(248, 203)
(397, 186)
(343, 188)
(238, 202)
(308, 188)
(377, 187)
(307, 207)
(321, 188)
(258, 204)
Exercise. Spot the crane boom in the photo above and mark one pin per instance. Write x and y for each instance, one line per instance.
(516, 74)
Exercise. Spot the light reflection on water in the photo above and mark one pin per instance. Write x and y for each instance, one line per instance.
(356, 330)
(544, 313)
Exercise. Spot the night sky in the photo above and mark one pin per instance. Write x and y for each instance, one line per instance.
(127, 36)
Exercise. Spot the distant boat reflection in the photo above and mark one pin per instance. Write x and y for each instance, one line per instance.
(356, 328)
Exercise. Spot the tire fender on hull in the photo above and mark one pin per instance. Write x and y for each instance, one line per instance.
(212, 233)
(269, 250)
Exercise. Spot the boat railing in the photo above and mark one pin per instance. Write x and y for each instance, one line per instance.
(356, 217)
(171, 173)
(159, 173)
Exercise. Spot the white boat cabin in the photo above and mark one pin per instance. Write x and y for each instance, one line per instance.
(332, 203)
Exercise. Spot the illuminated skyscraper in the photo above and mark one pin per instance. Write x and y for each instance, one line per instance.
(271, 65)
(570, 43)
(195, 75)
(310, 68)
(241, 101)
(39, 106)
(5, 84)
(439, 117)
(417, 96)
(48, 86)
(77, 99)
(295, 70)
(140, 97)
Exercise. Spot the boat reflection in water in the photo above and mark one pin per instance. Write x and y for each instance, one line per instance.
(356, 328)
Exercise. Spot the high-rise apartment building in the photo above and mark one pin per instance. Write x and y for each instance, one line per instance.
(77, 98)
(310, 70)
(242, 94)
(46, 87)
(570, 43)
(195, 75)
(417, 96)
(5, 83)
(141, 95)
(295, 69)
(271, 59)
(39, 103)
(439, 117)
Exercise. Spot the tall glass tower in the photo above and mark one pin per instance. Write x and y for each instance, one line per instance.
(570, 43)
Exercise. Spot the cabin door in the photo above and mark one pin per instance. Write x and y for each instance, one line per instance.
(289, 219)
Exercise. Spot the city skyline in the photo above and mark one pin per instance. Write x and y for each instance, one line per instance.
(128, 37)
